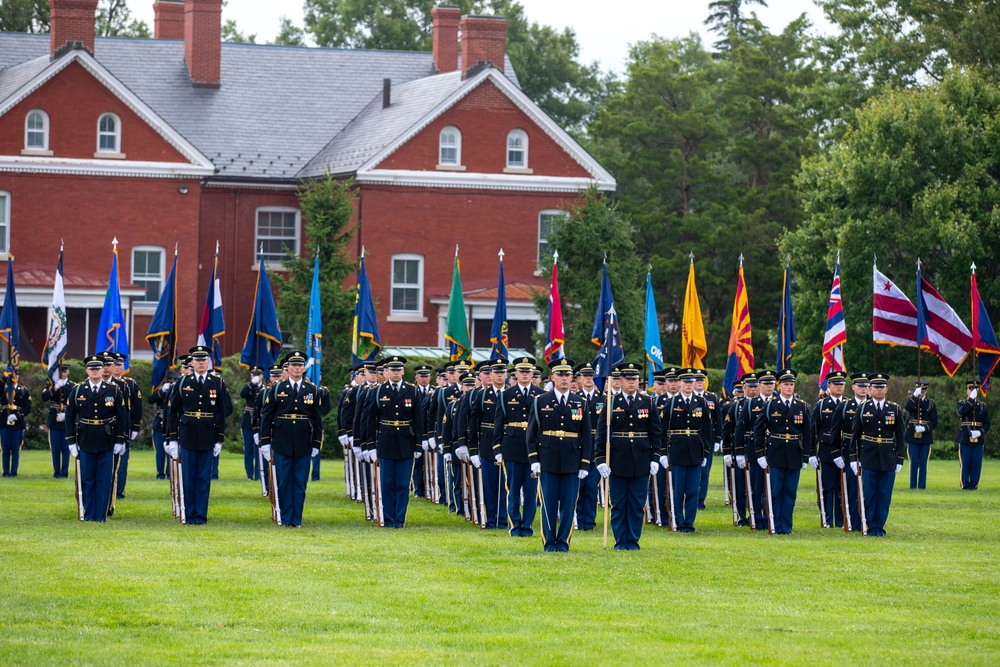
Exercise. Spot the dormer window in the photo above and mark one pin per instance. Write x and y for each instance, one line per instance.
(36, 131)
(109, 134)
(517, 149)
(450, 147)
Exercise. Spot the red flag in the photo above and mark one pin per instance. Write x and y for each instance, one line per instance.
(894, 318)
(554, 336)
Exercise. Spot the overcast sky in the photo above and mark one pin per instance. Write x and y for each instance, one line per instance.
(604, 29)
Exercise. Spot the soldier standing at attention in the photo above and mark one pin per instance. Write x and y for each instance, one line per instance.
(249, 391)
(560, 448)
(133, 404)
(688, 434)
(877, 449)
(57, 395)
(510, 425)
(744, 390)
(975, 423)
(158, 397)
(920, 433)
(482, 415)
(824, 417)
(16, 406)
(635, 453)
(95, 419)
(586, 506)
(715, 412)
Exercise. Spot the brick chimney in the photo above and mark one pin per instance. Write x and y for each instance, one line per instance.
(484, 39)
(72, 21)
(444, 19)
(203, 42)
(168, 19)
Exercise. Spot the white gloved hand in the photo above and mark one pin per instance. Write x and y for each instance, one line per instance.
(975, 433)
(11, 418)
(217, 449)
(664, 462)
(814, 462)
(357, 452)
(919, 428)
(173, 449)
(499, 458)
(604, 470)
(704, 462)
(372, 455)
(536, 468)
(344, 442)
(462, 453)
(256, 438)
(265, 451)
(899, 467)
(854, 467)
(447, 458)
(74, 451)
(314, 452)
(476, 461)
(432, 442)
(839, 462)
(255, 379)
(417, 454)
(741, 461)
(425, 445)
(119, 449)
(135, 434)
(805, 465)
(583, 474)
(60, 416)
(974, 394)
(60, 383)
(727, 460)
(917, 392)
(654, 467)
(350, 440)
(166, 386)
(762, 462)
(717, 448)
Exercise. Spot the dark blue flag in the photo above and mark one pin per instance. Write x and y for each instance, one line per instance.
(786, 323)
(162, 334)
(10, 326)
(263, 341)
(498, 335)
(611, 353)
(112, 334)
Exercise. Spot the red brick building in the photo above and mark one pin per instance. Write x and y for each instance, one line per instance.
(182, 141)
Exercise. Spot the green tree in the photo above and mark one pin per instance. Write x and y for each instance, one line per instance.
(595, 228)
(290, 34)
(726, 18)
(918, 177)
(24, 16)
(114, 19)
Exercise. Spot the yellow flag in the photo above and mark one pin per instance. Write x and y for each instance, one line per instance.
(693, 343)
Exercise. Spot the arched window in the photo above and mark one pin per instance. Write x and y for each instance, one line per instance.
(517, 149)
(109, 134)
(450, 146)
(36, 131)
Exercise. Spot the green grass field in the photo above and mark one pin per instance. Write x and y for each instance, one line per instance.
(143, 589)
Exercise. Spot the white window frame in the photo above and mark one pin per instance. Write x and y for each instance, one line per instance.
(5, 210)
(140, 301)
(523, 136)
(409, 257)
(458, 147)
(278, 263)
(44, 131)
(117, 134)
(546, 212)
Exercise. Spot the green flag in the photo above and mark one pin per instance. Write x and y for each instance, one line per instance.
(457, 330)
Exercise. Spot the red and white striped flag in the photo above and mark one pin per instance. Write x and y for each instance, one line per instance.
(940, 330)
(836, 331)
(894, 318)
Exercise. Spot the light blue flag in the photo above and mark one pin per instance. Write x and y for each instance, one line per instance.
(654, 351)
(112, 334)
(314, 331)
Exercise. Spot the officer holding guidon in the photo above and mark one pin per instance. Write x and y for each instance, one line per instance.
(688, 438)
(975, 422)
(13, 412)
(920, 433)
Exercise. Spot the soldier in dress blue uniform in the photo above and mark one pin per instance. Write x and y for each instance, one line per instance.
(560, 448)
(396, 422)
(975, 422)
(841, 446)
(57, 395)
(325, 405)
(923, 419)
(635, 454)
(482, 415)
(196, 430)
(158, 398)
(783, 444)
(824, 429)
(586, 506)
(510, 425)
(249, 391)
(732, 415)
(95, 419)
(291, 430)
(688, 434)
(442, 412)
(13, 416)
(422, 381)
(878, 446)
(671, 387)
(133, 404)
(714, 409)
(744, 442)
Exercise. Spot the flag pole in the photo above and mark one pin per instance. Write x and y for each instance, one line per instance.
(919, 347)
(607, 459)
(874, 344)
(975, 352)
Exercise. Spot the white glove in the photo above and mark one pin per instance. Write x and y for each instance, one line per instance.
(762, 462)
(664, 462)
(704, 462)
(536, 468)
(462, 453)
(899, 467)
(814, 462)
(265, 451)
(417, 455)
(917, 392)
(135, 434)
(372, 455)
(654, 467)
(11, 418)
(166, 386)
(60, 416)
(357, 452)
(717, 448)
(974, 394)
(919, 428)
(255, 379)
(119, 449)
(343, 440)
(476, 461)
(583, 474)
(60, 383)
(975, 433)
(447, 458)
(432, 442)
(839, 462)
(74, 451)
(350, 440)
(604, 470)
(499, 458)
(741, 461)
(727, 460)
(217, 449)
(425, 445)
(854, 467)
(805, 465)
(172, 448)
(314, 452)
(256, 438)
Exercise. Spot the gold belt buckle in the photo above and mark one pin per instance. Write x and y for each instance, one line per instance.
(631, 434)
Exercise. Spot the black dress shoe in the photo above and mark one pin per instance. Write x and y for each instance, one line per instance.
(701, 505)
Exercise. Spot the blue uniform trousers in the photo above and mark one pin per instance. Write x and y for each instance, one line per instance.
(494, 483)
(687, 485)
(395, 478)
(758, 486)
(703, 482)
(918, 464)
(95, 479)
(832, 501)
(162, 470)
(293, 475)
(60, 453)
(315, 466)
(10, 444)
(741, 496)
(418, 476)
(215, 467)
(520, 481)
(628, 498)
(197, 478)
(852, 498)
(878, 496)
(586, 506)
(784, 488)
(971, 459)
(123, 471)
(251, 461)
(559, 493)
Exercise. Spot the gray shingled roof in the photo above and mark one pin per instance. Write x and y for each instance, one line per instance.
(277, 106)
(13, 78)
